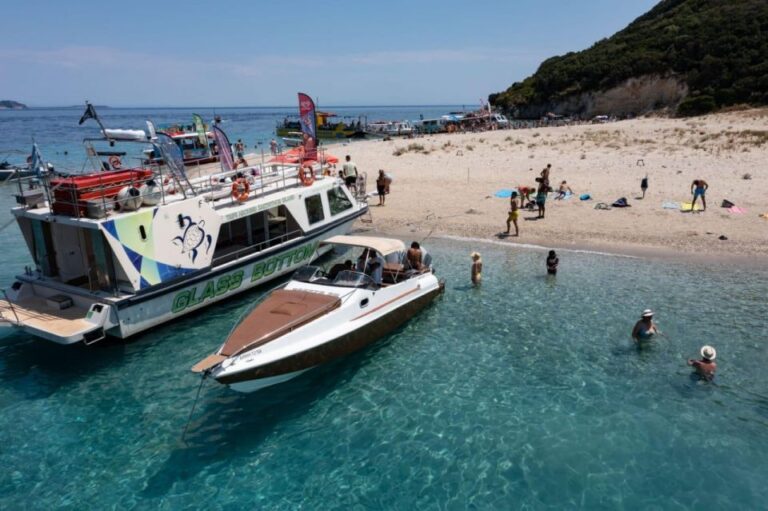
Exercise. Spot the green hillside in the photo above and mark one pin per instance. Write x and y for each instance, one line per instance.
(718, 47)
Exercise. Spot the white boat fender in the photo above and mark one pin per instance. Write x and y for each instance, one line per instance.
(129, 198)
(151, 193)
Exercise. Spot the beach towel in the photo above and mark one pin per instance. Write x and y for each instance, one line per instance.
(585, 196)
(737, 210)
(602, 205)
(685, 207)
(671, 205)
(504, 193)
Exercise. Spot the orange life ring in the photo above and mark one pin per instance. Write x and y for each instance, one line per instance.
(114, 162)
(240, 190)
(306, 178)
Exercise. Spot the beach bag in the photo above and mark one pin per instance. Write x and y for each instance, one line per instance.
(727, 204)
(644, 183)
(621, 203)
(585, 196)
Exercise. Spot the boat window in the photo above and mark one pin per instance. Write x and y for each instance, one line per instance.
(314, 206)
(254, 233)
(338, 200)
(43, 248)
(101, 274)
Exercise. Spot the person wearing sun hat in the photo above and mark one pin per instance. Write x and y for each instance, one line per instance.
(645, 328)
(705, 367)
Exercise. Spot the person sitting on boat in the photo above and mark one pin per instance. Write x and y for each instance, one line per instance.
(414, 256)
(372, 264)
(645, 328)
(340, 267)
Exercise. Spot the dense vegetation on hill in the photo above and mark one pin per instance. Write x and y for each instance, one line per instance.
(718, 47)
(6, 104)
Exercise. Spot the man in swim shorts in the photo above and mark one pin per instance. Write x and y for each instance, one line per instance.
(698, 189)
(514, 213)
(541, 198)
(645, 328)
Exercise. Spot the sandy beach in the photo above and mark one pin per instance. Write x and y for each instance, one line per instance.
(445, 184)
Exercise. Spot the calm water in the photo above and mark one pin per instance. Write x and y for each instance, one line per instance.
(60, 138)
(525, 393)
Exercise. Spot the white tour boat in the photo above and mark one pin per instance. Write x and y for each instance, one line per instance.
(319, 316)
(117, 252)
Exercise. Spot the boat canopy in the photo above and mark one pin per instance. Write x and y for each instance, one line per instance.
(384, 246)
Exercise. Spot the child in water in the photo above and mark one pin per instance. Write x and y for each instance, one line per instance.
(552, 262)
(477, 268)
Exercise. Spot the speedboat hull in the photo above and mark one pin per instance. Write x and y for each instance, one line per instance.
(261, 376)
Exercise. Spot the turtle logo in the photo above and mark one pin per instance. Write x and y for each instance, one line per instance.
(193, 237)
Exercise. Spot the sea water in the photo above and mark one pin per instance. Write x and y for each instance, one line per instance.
(60, 139)
(524, 393)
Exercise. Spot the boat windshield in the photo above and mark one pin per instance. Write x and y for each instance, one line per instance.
(349, 278)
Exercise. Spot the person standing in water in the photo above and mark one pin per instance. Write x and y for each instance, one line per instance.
(645, 328)
(514, 213)
(552, 262)
(644, 185)
(705, 367)
(477, 268)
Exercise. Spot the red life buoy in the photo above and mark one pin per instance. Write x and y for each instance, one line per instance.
(114, 162)
(306, 175)
(240, 190)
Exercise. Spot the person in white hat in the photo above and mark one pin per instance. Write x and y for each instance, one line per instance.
(705, 367)
(645, 328)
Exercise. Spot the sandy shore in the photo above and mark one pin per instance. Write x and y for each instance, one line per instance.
(446, 184)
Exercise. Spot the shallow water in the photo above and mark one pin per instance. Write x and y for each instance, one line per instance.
(525, 393)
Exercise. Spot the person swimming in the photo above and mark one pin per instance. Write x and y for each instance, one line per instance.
(477, 268)
(705, 367)
(645, 328)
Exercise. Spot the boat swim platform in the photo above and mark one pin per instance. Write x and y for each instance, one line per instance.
(35, 315)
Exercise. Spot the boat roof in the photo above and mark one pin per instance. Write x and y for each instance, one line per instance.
(384, 246)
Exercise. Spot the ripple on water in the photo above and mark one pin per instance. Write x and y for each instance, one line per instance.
(526, 392)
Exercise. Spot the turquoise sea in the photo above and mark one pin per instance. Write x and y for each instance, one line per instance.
(525, 393)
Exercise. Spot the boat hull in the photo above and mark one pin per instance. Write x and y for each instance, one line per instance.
(265, 375)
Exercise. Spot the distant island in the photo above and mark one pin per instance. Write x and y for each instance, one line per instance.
(689, 57)
(7, 104)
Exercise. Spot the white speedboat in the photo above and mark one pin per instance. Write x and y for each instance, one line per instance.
(120, 251)
(320, 316)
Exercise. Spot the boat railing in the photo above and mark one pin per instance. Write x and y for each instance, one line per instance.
(9, 307)
(258, 247)
(261, 179)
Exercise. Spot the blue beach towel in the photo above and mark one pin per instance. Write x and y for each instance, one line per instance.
(585, 196)
(504, 193)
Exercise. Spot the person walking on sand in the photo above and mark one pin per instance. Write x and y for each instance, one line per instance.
(477, 268)
(349, 171)
(698, 189)
(514, 213)
(552, 262)
(705, 367)
(645, 328)
(545, 174)
(381, 186)
(644, 185)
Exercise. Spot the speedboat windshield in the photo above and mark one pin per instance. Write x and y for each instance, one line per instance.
(349, 278)
(308, 273)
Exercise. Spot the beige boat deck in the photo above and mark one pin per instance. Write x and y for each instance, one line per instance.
(36, 313)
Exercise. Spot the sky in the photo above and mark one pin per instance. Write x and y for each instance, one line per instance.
(260, 53)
